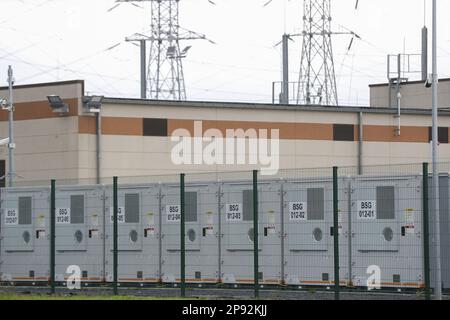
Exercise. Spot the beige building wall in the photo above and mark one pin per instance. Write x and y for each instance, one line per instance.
(46, 143)
(129, 155)
(65, 147)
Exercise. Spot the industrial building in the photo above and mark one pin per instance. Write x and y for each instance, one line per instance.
(132, 137)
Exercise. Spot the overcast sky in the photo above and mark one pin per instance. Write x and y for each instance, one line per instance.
(49, 40)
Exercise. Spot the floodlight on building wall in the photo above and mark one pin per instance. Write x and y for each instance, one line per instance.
(58, 105)
(4, 142)
(429, 81)
(93, 104)
(3, 103)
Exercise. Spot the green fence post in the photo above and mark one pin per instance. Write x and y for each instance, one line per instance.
(52, 235)
(182, 238)
(426, 232)
(336, 233)
(255, 234)
(115, 236)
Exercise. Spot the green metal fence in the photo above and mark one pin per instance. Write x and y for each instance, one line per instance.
(330, 229)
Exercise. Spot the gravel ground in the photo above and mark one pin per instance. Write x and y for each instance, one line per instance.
(223, 294)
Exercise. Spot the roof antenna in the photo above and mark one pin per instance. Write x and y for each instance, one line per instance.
(425, 13)
(424, 44)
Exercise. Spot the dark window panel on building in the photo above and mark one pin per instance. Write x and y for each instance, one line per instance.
(442, 134)
(155, 127)
(344, 132)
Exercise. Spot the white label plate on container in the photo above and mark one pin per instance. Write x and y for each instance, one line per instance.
(298, 211)
(11, 217)
(234, 212)
(367, 210)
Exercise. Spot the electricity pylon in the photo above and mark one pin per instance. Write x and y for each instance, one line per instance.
(317, 83)
(163, 77)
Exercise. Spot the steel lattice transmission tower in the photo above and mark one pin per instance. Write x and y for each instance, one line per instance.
(163, 77)
(317, 83)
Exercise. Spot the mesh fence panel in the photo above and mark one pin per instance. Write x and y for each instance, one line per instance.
(380, 226)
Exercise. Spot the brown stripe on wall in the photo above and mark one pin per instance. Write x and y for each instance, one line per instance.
(111, 126)
(173, 125)
(311, 131)
(87, 125)
(38, 110)
(114, 126)
(287, 131)
(378, 133)
(122, 126)
(356, 132)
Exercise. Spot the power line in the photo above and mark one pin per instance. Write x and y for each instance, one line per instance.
(37, 6)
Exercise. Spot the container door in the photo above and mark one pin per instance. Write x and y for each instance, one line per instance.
(376, 205)
(71, 231)
(270, 224)
(171, 211)
(386, 228)
(308, 207)
(204, 265)
(18, 223)
(238, 214)
(151, 224)
(130, 231)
